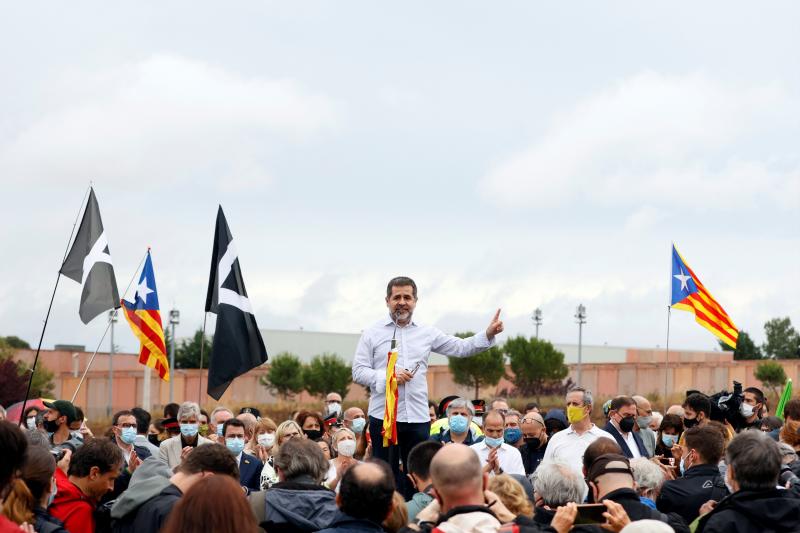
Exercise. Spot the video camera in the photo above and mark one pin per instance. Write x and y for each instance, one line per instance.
(725, 405)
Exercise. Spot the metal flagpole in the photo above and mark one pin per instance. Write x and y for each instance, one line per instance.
(49, 307)
(666, 360)
(114, 314)
(202, 350)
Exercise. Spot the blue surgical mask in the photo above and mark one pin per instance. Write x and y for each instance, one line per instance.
(359, 424)
(128, 435)
(189, 430)
(682, 466)
(52, 494)
(512, 435)
(235, 444)
(220, 427)
(458, 424)
(669, 440)
(493, 443)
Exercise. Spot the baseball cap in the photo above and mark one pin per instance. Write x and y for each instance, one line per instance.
(65, 408)
(610, 463)
(250, 410)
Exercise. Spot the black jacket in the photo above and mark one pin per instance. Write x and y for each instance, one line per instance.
(532, 457)
(45, 523)
(152, 516)
(636, 510)
(610, 428)
(757, 512)
(685, 495)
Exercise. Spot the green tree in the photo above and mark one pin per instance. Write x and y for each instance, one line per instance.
(745, 348)
(481, 370)
(15, 342)
(771, 374)
(782, 341)
(15, 372)
(535, 364)
(187, 353)
(285, 375)
(327, 373)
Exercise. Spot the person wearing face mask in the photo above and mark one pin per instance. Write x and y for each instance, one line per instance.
(750, 409)
(496, 456)
(460, 412)
(60, 414)
(696, 410)
(266, 444)
(568, 445)
(344, 446)
(512, 433)
(700, 479)
(419, 473)
(668, 434)
(33, 492)
(30, 417)
(534, 438)
(333, 405)
(311, 423)
(249, 466)
(644, 417)
(621, 421)
(173, 450)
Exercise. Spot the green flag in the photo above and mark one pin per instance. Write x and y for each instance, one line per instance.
(785, 397)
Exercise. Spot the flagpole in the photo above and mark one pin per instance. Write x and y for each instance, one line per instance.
(202, 350)
(666, 360)
(116, 310)
(50, 307)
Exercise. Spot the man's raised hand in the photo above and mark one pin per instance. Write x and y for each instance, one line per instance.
(495, 326)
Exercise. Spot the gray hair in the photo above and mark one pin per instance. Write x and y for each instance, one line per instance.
(587, 395)
(301, 457)
(557, 484)
(755, 460)
(187, 409)
(218, 409)
(460, 403)
(648, 477)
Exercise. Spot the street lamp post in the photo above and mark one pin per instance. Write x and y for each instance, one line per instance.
(112, 317)
(174, 320)
(580, 317)
(537, 319)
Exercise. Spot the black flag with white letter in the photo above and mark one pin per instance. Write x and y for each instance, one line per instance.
(238, 346)
(89, 263)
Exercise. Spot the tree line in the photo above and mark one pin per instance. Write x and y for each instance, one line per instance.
(781, 342)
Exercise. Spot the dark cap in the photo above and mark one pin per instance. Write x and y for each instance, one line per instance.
(445, 402)
(610, 463)
(170, 424)
(65, 408)
(251, 410)
(480, 407)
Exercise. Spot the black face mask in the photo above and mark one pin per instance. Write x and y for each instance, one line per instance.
(50, 426)
(533, 442)
(153, 439)
(689, 422)
(626, 424)
(313, 434)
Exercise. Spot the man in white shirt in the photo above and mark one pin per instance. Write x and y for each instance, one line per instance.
(496, 456)
(414, 344)
(568, 445)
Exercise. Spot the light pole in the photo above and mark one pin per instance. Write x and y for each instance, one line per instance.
(174, 320)
(580, 317)
(537, 319)
(112, 317)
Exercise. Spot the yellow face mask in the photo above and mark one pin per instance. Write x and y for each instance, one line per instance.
(575, 414)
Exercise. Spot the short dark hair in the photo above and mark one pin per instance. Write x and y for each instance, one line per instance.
(143, 419)
(671, 421)
(364, 496)
(621, 401)
(13, 445)
(171, 410)
(235, 422)
(401, 281)
(755, 460)
(531, 405)
(101, 453)
(755, 391)
(120, 414)
(699, 403)
(210, 458)
(708, 441)
(79, 416)
(420, 457)
(600, 446)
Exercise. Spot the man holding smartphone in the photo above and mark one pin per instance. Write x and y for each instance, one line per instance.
(415, 343)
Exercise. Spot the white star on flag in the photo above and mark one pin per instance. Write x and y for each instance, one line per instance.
(683, 279)
(142, 290)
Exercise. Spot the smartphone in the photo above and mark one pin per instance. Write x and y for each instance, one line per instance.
(669, 461)
(591, 513)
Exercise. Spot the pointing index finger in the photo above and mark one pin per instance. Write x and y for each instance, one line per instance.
(497, 315)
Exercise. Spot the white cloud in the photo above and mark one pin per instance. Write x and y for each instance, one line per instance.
(655, 139)
(165, 118)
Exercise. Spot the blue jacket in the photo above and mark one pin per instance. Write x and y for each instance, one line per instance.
(610, 428)
(250, 472)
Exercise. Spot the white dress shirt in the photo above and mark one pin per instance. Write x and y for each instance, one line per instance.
(414, 345)
(568, 447)
(508, 456)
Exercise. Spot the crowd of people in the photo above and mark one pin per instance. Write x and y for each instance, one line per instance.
(482, 468)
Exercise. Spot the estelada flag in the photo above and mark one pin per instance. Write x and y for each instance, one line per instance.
(144, 317)
(390, 410)
(689, 294)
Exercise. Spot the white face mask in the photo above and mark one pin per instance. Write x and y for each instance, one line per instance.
(266, 440)
(746, 410)
(31, 422)
(334, 408)
(346, 447)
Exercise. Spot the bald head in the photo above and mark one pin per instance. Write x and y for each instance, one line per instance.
(642, 403)
(457, 475)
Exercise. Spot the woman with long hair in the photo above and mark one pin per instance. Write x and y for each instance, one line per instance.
(32, 492)
(213, 504)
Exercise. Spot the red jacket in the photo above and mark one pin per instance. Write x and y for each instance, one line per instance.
(72, 506)
(7, 526)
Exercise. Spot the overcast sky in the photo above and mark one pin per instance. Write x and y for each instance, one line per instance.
(517, 155)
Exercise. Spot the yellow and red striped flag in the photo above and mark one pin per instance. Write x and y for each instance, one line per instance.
(390, 410)
(689, 294)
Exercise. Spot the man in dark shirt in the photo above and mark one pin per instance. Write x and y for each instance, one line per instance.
(701, 480)
(202, 461)
(534, 434)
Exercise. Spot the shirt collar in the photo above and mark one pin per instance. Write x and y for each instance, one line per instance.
(390, 322)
